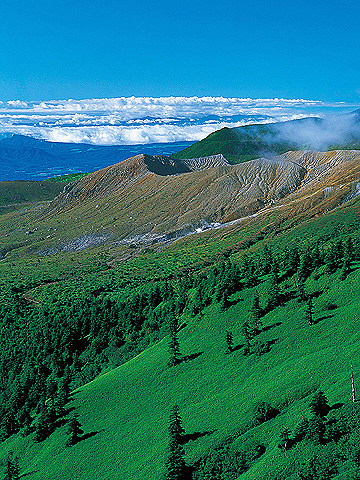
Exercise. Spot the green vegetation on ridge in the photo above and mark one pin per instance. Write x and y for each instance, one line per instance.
(238, 145)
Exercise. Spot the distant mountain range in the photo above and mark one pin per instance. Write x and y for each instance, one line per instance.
(27, 158)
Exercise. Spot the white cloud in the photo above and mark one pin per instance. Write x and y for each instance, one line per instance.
(131, 120)
(125, 135)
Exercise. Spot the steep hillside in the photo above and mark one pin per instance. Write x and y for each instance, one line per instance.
(125, 412)
(251, 141)
(129, 204)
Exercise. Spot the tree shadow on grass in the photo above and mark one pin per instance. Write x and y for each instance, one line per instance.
(187, 473)
(192, 356)
(316, 294)
(269, 327)
(66, 411)
(73, 395)
(194, 436)
(237, 347)
(230, 303)
(325, 317)
(89, 435)
(336, 406)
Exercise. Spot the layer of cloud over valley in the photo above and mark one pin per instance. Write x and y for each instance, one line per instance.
(143, 120)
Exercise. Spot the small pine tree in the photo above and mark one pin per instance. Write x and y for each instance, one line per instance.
(309, 312)
(345, 269)
(349, 249)
(229, 342)
(62, 394)
(266, 260)
(174, 346)
(12, 469)
(319, 405)
(273, 292)
(305, 266)
(285, 439)
(247, 347)
(223, 302)
(293, 259)
(256, 311)
(249, 330)
(175, 463)
(44, 426)
(330, 260)
(300, 287)
(74, 431)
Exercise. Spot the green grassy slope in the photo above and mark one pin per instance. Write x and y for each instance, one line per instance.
(126, 410)
(23, 191)
(237, 145)
(71, 177)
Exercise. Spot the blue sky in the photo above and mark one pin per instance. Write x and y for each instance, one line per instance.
(260, 48)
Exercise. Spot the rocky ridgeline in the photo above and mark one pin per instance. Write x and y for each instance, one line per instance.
(205, 162)
(157, 197)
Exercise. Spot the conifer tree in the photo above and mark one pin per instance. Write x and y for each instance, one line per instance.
(256, 311)
(175, 463)
(266, 259)
(273, 292)
(174, 346)
(319, 404)
(223, 302)
(309, 312)
(44, 426)
(304, 269)
(229, 342)
(338, 251)
(330, 260)
(349, 249)
(293, 259)
(345, 269)
(317, 257)
(12, 469)
(285, 439)
(249, 330)
(300, 287)
(74, 431)
(62, 394)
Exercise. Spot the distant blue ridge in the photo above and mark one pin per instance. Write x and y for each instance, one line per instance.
(27, 158)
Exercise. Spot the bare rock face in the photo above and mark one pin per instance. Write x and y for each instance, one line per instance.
(154, 197)
(205, 162)
(110, 179)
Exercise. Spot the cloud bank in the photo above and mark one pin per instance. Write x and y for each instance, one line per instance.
(141, 120)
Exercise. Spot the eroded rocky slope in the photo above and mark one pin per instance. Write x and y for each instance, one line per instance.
(152, 199)
(157, 196)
